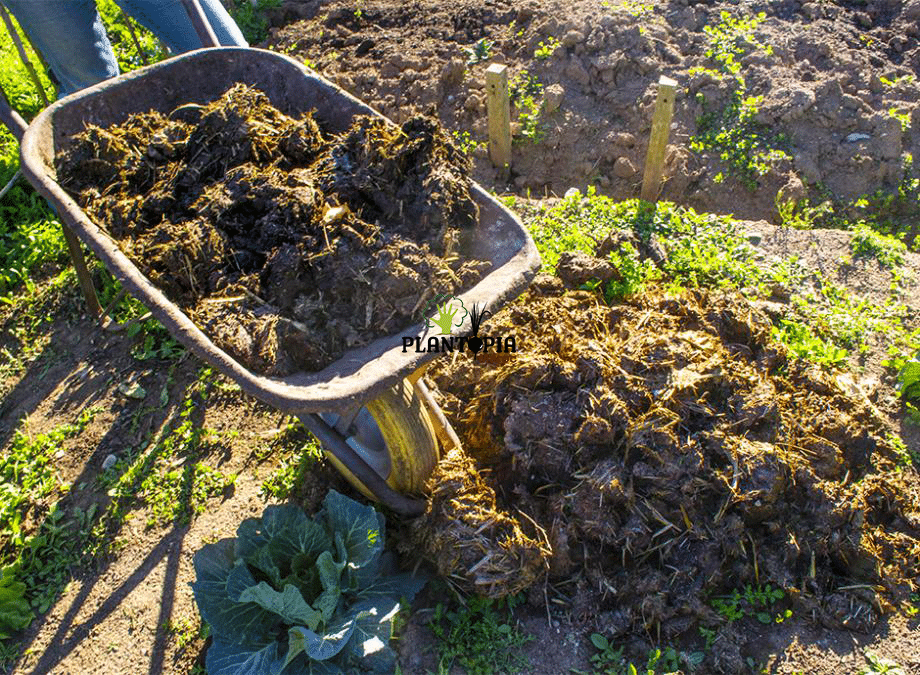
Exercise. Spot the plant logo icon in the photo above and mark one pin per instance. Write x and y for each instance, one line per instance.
(448, 310)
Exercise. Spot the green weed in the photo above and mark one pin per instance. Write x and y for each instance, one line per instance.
(752, 601)
(880, 665)
(908, 386)
(634, 273)
(126, 51)
(524, 90)
(902, 117)
(546, 48)
(747, 147)
(889, 250)
(168, 476)
(481, 51)
(466, 143)
(250, 17)
(701, 249)
(609, 660)
(802, 343)
(28, 476)
(283, 482)
(481, 637)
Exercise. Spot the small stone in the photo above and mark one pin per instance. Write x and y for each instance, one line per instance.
(577, 72)
(572, 192)
(572, 38)
(792, 192)
(553, 97)
(754, 237)
(453, 72)
(856, 137)
(623, 168)
(135, 391)
(576, 268)
(911, 10)
(109, 462)
(624, 139)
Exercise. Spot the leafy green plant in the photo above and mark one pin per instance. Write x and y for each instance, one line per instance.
(119, 28)
(283, 482)
(546, 48)
(753, 600)
(480, 51)
(878, 665)
(297, 595)
(908, 386)
(801, 215)
(889, 250)
(168, 476)
(634, 273)
(15, 612)
(27, 473)
(902, 117)
(480, 636)
(802, 343)
(609, 660)
(524, 91)
(466, 143)
(748, 147)
(701, 249)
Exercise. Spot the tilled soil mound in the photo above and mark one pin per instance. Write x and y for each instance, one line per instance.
(838, 85)
(662, 451)
(285, 246)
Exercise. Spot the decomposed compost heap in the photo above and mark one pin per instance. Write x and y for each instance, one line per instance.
(659, 452)
(285, 244)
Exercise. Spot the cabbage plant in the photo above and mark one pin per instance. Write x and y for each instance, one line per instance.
(294, 595)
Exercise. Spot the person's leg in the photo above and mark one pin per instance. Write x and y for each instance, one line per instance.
(71, 37)
(169, 21)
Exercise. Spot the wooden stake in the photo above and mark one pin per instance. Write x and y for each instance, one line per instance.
(499, 107)
(14, 34)
(658, 143)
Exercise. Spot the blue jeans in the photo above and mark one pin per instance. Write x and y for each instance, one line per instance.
(71, 37)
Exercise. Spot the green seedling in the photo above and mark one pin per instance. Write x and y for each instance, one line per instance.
(481, 51)
(481, 637)
(878, 665)
(546, 48)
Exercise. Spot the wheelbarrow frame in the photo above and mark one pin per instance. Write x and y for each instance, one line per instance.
(200, 77)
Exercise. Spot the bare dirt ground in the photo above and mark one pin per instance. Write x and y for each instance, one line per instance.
(836, 69)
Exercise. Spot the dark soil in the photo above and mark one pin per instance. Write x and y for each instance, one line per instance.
(285, 246)
(658, 453)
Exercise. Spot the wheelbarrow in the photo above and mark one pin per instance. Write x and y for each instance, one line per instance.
(376, 420)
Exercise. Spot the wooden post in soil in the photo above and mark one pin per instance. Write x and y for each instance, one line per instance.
(499, 107)
(658, 143)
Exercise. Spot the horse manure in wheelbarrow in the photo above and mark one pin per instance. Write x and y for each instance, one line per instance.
(287, 245)
(650, 455)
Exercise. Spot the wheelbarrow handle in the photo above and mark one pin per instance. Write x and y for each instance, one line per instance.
(12, 119)
(201, 23)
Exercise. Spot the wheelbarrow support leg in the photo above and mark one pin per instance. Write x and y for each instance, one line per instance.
(83, 275)
(17, 126)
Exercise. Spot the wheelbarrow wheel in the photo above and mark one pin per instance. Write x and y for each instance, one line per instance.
(394, 435)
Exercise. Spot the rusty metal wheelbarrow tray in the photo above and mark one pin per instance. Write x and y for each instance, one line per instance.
(200, 77)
